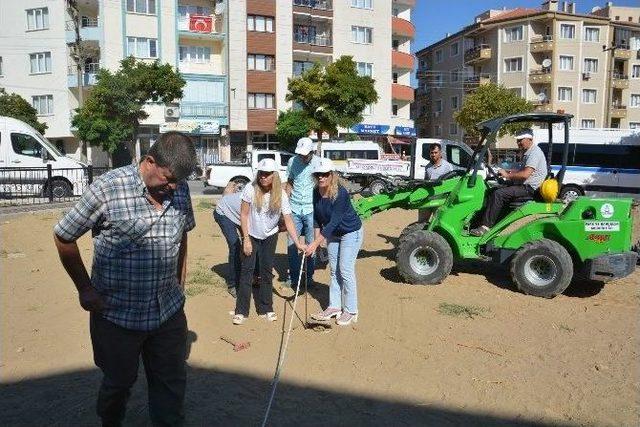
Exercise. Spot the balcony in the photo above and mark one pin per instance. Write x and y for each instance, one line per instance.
(622, 51)
(477, 54)
(618, 111)
(410, 3)
(88, 75)
(305, 41)
(203, 27)
(402, 27)
(541, 44)
(323, 8)
(620, 81)
(401, 60)
(89, 30)
(540, 76)
(402, 92)
(470, 84)
(204, 111)
(542, 106)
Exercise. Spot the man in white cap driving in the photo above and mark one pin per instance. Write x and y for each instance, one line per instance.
(525, 181)
(299, 188)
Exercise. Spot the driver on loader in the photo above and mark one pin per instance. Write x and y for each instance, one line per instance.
(526, 182)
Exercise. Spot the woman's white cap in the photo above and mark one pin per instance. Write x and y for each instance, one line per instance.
(324, 165)
(267, 165)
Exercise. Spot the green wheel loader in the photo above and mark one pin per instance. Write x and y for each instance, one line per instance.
(545, 243)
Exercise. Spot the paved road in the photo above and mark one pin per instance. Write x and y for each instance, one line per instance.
(197, 189)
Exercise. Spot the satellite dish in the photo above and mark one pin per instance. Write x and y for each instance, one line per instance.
(542, 97)
(546, 63)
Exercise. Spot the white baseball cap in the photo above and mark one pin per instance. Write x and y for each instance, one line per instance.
(324, 165)
(524, 133)
(267, 165)
(304, 146)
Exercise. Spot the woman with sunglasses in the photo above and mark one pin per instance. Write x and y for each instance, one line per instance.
(263, 203)
(337, 223)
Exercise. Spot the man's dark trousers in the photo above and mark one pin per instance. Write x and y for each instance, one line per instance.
(230, 232)
(117, 351)
(501, 197)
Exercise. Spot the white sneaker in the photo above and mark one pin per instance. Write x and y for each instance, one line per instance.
(347, 318)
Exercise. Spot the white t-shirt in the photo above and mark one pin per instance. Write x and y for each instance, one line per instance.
(264, 223)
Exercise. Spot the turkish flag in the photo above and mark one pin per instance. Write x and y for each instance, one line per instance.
(200, 23)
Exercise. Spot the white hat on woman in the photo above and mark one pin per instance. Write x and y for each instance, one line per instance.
(267, 165)
(324, 165)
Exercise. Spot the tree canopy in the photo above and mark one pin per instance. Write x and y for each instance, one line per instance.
(291, 126)
(489, 101)
(332, 95)
(13, 105)
(112, 112)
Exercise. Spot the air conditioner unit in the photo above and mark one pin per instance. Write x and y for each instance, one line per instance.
(586, 76)
(172, 112)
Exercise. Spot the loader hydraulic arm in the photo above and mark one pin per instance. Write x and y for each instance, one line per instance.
(414, 195)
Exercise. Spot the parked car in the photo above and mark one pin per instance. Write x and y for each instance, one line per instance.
(220, 174)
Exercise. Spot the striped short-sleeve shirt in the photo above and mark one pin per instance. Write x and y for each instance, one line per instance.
(136, 246)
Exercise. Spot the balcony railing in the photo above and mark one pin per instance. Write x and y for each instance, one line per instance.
(314, 4)
(477, 53)
(313, 40)
(207, 25)
(542, 105)
(472, 83)
(618, 110)
(540, 75)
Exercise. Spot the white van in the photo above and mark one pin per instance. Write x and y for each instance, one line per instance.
(341, 152)
(24, 156)
(599, 161)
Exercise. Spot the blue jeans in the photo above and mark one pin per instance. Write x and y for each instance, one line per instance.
(231, 234)
(304, 227)
(343, 251)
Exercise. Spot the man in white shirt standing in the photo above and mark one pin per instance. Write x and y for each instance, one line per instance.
(436, 168)
(526, 181)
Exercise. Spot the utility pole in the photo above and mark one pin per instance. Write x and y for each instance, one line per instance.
(79, 56)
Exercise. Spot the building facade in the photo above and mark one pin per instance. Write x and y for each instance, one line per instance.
(587, 65)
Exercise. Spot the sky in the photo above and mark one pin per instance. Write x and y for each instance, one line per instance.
(435, 18)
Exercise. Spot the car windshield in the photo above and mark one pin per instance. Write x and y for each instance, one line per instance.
(49, 145)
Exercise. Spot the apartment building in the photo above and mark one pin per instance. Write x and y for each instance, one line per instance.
(40, 50)
(587, 65)
(272, 41)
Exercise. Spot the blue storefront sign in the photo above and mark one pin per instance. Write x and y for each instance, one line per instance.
(363, 128)
(405, 131)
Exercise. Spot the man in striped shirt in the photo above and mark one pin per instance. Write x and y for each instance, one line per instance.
(139, 216)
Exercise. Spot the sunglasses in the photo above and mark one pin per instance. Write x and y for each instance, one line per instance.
(322, 174)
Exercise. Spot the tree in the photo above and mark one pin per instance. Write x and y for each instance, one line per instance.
(112, 113)
(291, 126)
(489, 101)
(13, 105)
(333, 95)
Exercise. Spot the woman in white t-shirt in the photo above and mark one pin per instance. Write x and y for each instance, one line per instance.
(263, 203)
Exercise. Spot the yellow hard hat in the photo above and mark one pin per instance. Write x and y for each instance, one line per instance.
(549, 190)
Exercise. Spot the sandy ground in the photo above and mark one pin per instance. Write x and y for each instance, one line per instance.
(520, 360)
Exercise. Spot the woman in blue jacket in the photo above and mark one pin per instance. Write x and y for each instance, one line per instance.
(337, 223)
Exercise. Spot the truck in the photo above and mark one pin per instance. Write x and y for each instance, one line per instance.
(220, 174)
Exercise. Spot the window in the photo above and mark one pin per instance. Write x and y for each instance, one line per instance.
(457, 156)
(26, 145)
(40, 62)
(513, 34)
(183, 11)
(1, 67)
(261, 101)
(364, 68)
(38, 19)
(142, 6)
(263, 24)
(453, 128)
(454, 103)
(635, 101)
(634, 125)
(566, 63)
(635, 71)
(141, 47)
(394, 77)
(455, 49)
(590, 65)
(565, 94)
(261, 62)
(284, 159)
(588, 123)
(394, 110)
(43, 104)
(437, 130)
(438, 108)
(368, 110)
(362, 4)
(362, 35)
(516, 90)
(300, 67)
(438, 80)
(589, 96)
(591, 34)
(422, 64)
(512, 65)
(567, 31)
(439, 56)
(455, 76)
(197, 54)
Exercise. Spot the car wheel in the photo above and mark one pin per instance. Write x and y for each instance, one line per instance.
(542, 268)
(377, 187)
(424, 258)
(570, 192)
(59, 189)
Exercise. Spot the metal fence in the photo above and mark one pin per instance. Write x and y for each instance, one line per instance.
(33, 186)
